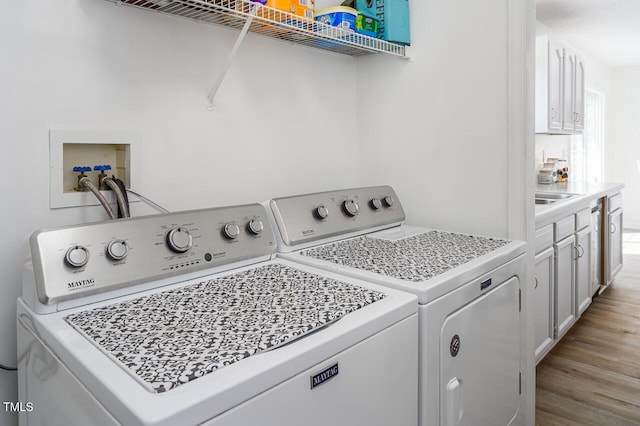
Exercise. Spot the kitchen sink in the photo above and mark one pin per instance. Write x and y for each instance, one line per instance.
(554, 195)
(544, 201)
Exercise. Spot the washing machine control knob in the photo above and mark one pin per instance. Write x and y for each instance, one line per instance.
(179, 240)
(231, 230)
(117, 249)
(255, 226)
(388, 201)
(351, 208)
(375, 203)
(321, 212)
(76, 256)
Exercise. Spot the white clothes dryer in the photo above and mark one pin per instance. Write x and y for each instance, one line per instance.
(189, 319)
(468, 289)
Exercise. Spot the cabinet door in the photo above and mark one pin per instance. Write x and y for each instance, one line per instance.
(555, 85)
(568, 90)
(543, 289)
(615, 243)
(578, 104)
(583, 269)
(565, 312)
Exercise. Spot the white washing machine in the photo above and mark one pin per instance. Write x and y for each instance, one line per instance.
(468, 289)
(189, 319)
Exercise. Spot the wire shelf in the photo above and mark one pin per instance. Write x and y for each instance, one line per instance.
(272, 23)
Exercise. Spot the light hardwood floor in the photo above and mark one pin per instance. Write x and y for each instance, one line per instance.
(592, 376)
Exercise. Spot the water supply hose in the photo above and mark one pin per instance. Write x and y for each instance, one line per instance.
(86, 182)
(123, 188)
(122, 203)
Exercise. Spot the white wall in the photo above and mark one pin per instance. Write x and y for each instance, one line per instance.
(555, 146)
(438, 129)
(622, 160)
(283, 122)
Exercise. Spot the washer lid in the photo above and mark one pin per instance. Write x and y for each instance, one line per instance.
(171, 338)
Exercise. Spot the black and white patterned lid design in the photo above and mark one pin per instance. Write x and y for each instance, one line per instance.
(416, 258)
(173, 337)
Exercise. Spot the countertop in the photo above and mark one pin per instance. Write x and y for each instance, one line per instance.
(549, 213)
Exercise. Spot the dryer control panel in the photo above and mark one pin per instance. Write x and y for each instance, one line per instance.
(78, 261)
(310, 217)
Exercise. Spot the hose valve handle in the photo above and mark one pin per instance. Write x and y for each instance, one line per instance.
(102, 176)
(82, 175)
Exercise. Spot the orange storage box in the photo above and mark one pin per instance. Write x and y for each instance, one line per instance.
(303, 8)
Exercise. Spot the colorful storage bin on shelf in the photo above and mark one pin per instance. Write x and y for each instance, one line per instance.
(302, 8)
(393, 18)
(338, 16)
(367, 24)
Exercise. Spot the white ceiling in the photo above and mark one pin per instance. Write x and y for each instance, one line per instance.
(606, 29)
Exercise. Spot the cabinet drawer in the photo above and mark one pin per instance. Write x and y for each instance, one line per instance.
(544, 238)
(583, 219)
(615, 202)
(563, 228)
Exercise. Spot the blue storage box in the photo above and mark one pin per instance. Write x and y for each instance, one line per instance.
(338, 16)
(393, 18)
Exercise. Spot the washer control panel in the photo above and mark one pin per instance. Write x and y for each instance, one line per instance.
(77, 261)
(306, 218)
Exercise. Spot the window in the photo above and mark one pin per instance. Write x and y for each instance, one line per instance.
(587, 159)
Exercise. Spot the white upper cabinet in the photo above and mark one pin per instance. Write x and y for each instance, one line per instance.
(568, 90)
(559, 88)
(578, 103)
(555, 85)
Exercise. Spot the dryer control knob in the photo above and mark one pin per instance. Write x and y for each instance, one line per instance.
(179, 240)
(255, 226)
(321, 212)
(117, 249)
(375, 203)
(388, 201)
(231, 230)
(351, 208)
(76, 256)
